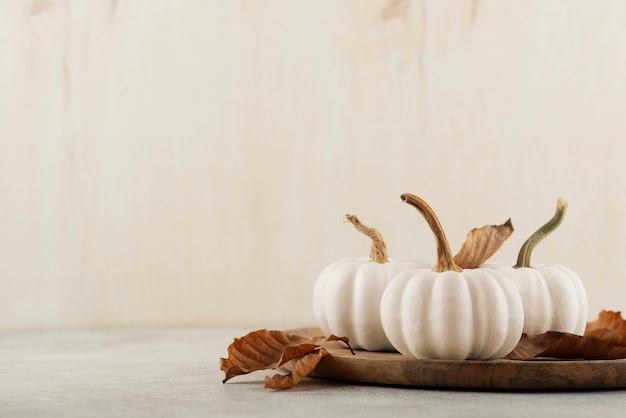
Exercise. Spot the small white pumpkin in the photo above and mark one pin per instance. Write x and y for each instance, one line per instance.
(447, 312)
(554, 297)
(346, 295)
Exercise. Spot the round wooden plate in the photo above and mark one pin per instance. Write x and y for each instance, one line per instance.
(503, 374)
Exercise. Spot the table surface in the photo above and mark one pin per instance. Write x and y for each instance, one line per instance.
(175, 373)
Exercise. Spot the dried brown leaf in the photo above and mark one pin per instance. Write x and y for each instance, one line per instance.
(563, 345)
(269, 349)
(531, 346)
(572, 346)
(604, 338)
(299, 370)
(610, 327)
(482, 243)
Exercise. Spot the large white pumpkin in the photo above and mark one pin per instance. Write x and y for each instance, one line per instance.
(473, 314)
(450, 313)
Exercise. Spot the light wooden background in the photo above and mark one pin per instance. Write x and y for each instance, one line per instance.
(189, 162)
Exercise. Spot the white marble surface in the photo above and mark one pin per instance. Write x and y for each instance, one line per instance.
(175, 373)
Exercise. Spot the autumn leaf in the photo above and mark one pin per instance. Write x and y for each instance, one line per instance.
(563, 345)
(604, 339)
(482, 243)
(301, 368)
(270, 349)
(610, 327)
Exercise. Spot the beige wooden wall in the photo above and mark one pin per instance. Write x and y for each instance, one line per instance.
(189, 162)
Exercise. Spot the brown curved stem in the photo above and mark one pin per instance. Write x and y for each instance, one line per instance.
(523, 258)
(379, 248)
(444, 255)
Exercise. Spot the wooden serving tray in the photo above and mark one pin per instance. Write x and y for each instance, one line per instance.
(502, 374)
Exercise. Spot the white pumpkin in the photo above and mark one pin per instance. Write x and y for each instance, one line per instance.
(447, 312)
(554, 297)
(347, 293)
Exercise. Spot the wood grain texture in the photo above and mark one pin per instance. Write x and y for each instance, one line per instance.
(395, 369)
(189, 163)
(541, 374)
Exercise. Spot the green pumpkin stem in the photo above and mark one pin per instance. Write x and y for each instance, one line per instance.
(523, 258)
(445, 260)
(378, 252)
